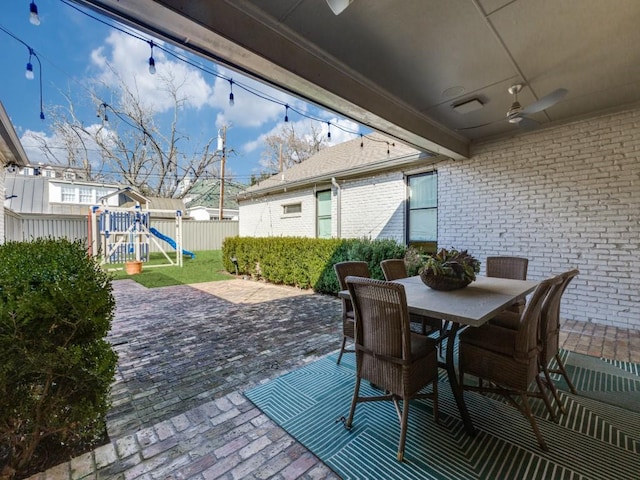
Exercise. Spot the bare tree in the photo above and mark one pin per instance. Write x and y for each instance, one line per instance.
(130, 146)
(287, 148)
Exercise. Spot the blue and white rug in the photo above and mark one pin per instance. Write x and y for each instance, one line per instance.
(598, 438)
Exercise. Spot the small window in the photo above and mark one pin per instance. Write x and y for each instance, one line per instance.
(68, 195)
(69, 176)
(86, 195)
(292, 208)
(49, 173)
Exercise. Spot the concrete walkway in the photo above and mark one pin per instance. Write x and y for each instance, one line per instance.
(187, 353)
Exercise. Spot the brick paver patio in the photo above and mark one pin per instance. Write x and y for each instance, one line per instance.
(187, 353)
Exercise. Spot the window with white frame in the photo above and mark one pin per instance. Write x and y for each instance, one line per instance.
(292, 208)
(422, 208)
(68, 195)
(323, 209)
(49, 173)
(86, 195)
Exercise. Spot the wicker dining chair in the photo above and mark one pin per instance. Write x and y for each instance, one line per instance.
(394, 269)
(399, 362)
(549, 335)
(514, 268)
(508, 358)
(344, 269)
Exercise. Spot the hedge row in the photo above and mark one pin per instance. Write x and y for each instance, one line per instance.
(304, 262)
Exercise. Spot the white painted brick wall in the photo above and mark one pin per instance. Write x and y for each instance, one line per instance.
(259, 218)
(564, 197)
(372, 207)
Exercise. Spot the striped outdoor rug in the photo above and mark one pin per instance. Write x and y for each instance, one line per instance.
(598, 438)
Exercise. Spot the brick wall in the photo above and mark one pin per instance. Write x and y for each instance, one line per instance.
(564, 197)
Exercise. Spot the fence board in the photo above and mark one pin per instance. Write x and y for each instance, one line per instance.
(196, 235)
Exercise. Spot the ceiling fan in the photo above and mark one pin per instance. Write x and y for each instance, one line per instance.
(518, 115)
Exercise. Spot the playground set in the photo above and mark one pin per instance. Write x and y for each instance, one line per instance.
(123, 235)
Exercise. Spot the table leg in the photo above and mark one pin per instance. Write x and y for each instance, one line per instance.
(453, 380)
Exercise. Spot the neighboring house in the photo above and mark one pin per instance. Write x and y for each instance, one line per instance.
(203, 200)
(12, 158)
(368, 187)
(30, 195)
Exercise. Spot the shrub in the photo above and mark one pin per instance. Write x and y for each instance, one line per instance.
(56, 307)
(304, 262)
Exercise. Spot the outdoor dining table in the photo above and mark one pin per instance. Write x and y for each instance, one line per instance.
(471, 306)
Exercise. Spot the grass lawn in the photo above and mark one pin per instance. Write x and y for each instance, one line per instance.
(205, 267)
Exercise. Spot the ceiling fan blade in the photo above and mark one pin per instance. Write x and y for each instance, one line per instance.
(545, 102)
(528, 124)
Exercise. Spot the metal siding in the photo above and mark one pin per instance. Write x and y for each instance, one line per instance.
(196, 235)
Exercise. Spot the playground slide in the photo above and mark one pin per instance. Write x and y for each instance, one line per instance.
(170, 241)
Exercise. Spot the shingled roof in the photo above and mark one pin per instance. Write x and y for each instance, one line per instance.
(370, 153)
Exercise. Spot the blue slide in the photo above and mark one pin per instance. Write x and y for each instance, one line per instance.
(170, 241)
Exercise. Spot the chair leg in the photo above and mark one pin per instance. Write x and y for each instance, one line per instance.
(554, 391)
(545, 399)
(352, 410)
(403, 429)
(563, 371)
(342, 348)
(527, 411)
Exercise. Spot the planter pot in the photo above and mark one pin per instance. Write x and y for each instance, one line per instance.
(439, 282)
(133, 267)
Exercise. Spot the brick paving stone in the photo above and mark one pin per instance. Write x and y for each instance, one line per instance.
(186, 354)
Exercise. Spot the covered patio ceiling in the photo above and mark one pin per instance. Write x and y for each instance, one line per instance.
(401, 67)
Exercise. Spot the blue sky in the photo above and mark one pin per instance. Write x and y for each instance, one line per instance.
(76, 50)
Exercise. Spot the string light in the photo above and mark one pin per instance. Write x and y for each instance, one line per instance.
(329, 130)
(231, 99)
(29, 71)
(361, 141)
(33, 14)
(286, 113)
(152, 62)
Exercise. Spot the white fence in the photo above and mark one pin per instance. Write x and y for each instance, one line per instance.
(196, 235)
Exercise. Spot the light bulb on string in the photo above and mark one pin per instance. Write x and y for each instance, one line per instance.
(286, 113)
(34, 19)
(29, 71)
(361, 141)
(231, 99)
(329, 130)
(152, 62)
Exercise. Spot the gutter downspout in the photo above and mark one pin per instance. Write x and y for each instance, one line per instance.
(338, 206)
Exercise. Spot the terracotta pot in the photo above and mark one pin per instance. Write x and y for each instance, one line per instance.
(132, 268)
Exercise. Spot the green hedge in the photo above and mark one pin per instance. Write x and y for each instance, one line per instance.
(56, 368)
(304, 262)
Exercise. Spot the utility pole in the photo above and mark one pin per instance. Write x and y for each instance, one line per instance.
(222, 145)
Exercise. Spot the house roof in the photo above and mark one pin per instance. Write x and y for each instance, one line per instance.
(374, 152)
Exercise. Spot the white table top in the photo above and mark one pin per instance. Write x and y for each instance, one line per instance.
(472, 305)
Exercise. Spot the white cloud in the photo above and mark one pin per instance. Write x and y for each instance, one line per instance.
(128, 56)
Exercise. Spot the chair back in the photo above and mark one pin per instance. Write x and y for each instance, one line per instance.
(526, 347)
(550, 316)
(382, 320)
(514, 268)
(393, 269)
(355, 269)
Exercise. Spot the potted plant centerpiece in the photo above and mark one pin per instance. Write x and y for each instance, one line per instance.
(449, 269)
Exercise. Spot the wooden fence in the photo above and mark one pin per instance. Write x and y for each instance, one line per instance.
(196, 235)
